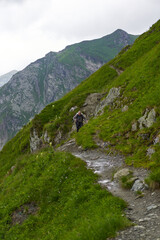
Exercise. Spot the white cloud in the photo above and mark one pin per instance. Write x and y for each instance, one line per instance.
(29, 29)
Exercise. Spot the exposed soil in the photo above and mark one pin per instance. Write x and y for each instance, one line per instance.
(143, 211)
(22, 213)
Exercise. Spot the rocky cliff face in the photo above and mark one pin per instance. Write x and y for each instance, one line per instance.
(30, 90)
(49, 78)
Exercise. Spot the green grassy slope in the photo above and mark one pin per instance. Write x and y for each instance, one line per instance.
(56, 115)
(102, 49)
(142, 45)
(107, 46)
(140, 86)
(70, 205)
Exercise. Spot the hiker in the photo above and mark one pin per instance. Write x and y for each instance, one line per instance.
(78, 118)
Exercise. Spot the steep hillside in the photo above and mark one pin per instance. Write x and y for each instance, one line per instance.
(127, 117)
(49, 78)
(6, 77)
(53, 192)
(53, 196)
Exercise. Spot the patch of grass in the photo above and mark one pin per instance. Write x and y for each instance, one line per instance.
(70, 201)
(100, 50)
(142, 45)
(127, 181)
(139, 194)
(16, 147)
(155, 175)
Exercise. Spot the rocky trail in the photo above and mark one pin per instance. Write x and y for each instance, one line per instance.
(143, 210)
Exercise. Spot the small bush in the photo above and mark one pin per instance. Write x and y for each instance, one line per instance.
(127, 181)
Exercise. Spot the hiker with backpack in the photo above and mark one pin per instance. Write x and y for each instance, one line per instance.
(78, 118)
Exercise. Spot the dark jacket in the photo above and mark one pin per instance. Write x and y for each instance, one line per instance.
(79, 118)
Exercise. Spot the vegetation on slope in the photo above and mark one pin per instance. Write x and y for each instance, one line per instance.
(139, 85)
(64, 191)
(102, 50)
(57, 116)
(69, 203)
(140, 91)
(142, 45)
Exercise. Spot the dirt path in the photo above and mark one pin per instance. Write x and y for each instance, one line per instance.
(144, 212)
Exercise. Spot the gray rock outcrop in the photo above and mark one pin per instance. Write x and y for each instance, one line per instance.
(90, 104)
(150, 151)
(147, 119)
(73, 108)
(134, 127)
(35, 141)
(121, 173)
(113, 94)
(139, 186)
(157, 139)
(125, 108)
(46, 137)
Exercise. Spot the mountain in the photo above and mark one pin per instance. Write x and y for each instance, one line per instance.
(6, 77)
(48, 194)
(50, 77)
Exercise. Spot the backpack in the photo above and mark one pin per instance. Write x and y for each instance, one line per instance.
(79, 118)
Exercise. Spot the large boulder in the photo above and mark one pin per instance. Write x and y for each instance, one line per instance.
(58, 137)
(147, 119)
(73, 108)
(121, 173)
(139, 186)
(90, 104)
(113, 94)
(46, 137)
(151, 118)
(35, 141)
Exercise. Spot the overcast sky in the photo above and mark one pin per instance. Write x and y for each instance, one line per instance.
(31, 28)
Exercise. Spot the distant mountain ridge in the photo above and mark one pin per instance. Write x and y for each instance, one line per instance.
(50, 77)
(6, 77)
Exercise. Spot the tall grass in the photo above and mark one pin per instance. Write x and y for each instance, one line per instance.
(71, 204)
